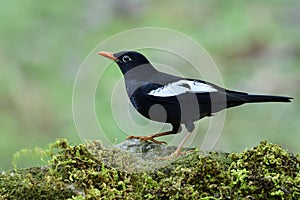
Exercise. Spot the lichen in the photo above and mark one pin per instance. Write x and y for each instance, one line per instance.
(81, 172)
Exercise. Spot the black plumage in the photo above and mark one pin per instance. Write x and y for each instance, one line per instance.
(176, 100)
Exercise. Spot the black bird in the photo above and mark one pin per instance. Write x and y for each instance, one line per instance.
(176, 100)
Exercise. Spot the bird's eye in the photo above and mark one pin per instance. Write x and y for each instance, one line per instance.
(126, 59)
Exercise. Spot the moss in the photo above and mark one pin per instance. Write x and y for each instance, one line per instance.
(268, 170)
(78, 172)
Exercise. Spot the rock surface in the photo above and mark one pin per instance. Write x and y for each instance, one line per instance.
(138, 156)
(89, 171)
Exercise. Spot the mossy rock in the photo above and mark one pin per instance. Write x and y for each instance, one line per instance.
(89, 171)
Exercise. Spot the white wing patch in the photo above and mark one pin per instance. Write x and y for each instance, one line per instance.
(180, 87)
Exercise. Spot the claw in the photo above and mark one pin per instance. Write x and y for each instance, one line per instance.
(173, 155)
(146, 138)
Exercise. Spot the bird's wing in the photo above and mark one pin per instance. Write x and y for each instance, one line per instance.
(181, 87)
(187, 89)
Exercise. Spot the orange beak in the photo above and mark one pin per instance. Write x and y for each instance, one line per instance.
(107, 55)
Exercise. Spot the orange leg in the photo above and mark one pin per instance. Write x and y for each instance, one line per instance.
(151, 137)
(176, 128)
(177, 152)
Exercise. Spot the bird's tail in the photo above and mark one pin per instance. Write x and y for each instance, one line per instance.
(267, 98)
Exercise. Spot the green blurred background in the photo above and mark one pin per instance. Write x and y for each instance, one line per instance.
(256, 46)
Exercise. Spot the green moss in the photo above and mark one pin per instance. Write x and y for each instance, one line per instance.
(78, 172)
(268, 170)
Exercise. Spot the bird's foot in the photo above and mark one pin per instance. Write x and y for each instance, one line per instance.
(173, 155)
(146, 138)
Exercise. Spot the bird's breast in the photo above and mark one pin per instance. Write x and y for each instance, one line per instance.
(134, 102)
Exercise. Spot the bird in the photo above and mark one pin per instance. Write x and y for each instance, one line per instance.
(175, 100)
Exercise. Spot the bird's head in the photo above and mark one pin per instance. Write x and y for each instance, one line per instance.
(127, 60)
